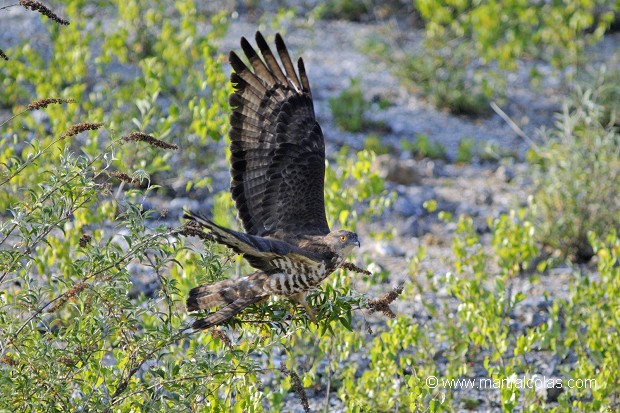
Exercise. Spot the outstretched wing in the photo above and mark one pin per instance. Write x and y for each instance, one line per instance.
(277, 146)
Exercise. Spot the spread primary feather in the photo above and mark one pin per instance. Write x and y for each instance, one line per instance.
(277, 170)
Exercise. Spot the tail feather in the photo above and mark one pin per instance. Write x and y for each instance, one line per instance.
(223, 314)
(231, 296)
(257, 250)
(238, 241)
(211, 295)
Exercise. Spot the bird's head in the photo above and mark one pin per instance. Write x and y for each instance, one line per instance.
(342, 241)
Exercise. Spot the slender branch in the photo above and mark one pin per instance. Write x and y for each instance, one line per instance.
(51, 191)
(129, 254)
(186, 378)
(37, 104)
(30, 160)
(8, 7)
(513, 126)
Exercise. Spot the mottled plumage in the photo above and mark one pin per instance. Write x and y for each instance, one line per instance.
(277, 169)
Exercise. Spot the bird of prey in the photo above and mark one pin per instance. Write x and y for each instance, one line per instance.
(277, 168)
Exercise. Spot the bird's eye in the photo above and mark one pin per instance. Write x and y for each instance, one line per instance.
(343, 238)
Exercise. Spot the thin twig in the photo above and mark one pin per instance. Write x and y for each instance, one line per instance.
(513, 125)
(57, 186)
(129, 254)
(38, 105)
(9, 6)
(329, 375)
(35, 105)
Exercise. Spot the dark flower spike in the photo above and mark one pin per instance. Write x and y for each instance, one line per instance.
(39, 7)
(143, 137)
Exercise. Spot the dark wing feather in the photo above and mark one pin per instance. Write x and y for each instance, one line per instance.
(277, 146)
(261, 253)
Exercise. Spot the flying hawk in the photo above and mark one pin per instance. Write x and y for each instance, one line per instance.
(278, 168)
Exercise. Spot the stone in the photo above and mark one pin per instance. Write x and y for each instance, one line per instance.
(399, 171)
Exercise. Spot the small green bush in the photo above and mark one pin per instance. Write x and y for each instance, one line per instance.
(424, 147)
(592, 331)
(493, 152)
(349, 107)
(466, 150)
(473, 328)
(577, 176)
(343, 9)
(374, 144)
(469, 47)
(507, 31)
(441, 77)
(604, 82)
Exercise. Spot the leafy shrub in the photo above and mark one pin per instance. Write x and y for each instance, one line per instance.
(604, 83)
(423, 147)
(374, 144)
(506, 32)
(493, 152)
(441, 77)
(72, 337)
(577, 177)
(343, 9)
(152, 76)
(466, 150)
(354, 179)
(361, 10)
(468, 47)
(592, 330)
(474, 327)
(76, 331)
(349, 107)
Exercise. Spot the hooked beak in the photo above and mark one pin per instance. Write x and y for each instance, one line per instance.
(358, 243)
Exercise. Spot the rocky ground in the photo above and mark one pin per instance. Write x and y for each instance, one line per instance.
(332, 55)
(331, 51)
(482, 190)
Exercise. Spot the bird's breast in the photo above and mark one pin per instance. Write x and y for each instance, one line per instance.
(292, 277)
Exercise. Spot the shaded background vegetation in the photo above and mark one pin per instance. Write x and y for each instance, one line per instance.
(87, 211)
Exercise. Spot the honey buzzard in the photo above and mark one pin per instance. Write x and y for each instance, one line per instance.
(278, 168)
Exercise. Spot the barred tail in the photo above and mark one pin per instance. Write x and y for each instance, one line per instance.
(232, 296)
